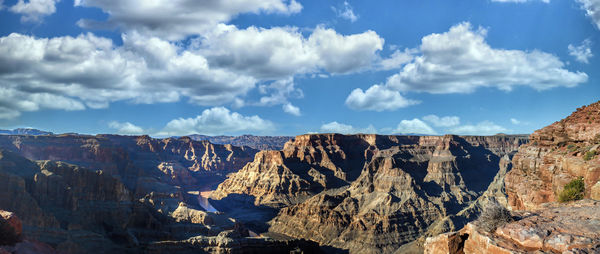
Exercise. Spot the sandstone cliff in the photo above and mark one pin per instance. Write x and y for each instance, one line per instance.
(78, 210)
(556, 155)
(160, 171)
(369, 193)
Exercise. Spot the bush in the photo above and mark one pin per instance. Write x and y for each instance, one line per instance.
(572, 191)
(589, 155)
(494, 215)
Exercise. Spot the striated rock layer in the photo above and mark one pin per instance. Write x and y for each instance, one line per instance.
(77, 210)
(370, 193)
(557, 154)
(554, 228)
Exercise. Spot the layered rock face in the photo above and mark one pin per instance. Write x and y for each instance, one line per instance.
(370, 193)
(158, 170)
(554, 228)
(78, 210)
(556, 155)
(256, 142)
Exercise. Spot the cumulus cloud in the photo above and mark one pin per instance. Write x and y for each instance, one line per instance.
(482, 128)
(460, 61)
(515, 121)
(346, 12)
(216, 121)
(377, 98)
(397, 59)
(91, 71)
(335, 127)
(414, 126)
(175, 20)
(278, 52)
(583, 52)
(126, 128)
(446, 121)
(291, 109)
(33, 10)
(592, 10)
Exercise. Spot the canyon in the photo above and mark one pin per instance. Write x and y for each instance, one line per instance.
(318, 193)
(556, 155)
(369, 193)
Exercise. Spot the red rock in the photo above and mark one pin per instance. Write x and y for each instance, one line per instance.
(555, 156)
(554, 228)
(13, 221)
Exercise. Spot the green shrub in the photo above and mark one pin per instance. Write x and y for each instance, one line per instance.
(571, 148)
(572, 191)
(589, 155)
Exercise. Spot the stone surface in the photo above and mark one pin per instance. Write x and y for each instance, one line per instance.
(370, 193)
(554, 228)
(446, 243)
(555, 156)
(12, 221)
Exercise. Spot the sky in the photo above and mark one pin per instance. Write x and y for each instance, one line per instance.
(289, 67)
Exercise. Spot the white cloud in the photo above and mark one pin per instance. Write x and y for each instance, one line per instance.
(278, 52)
(175, 20)
(278, 92)
(91, 71)
(346, 12)
(335, 127)
(460, 61)
(33, 10)
(519, 1)
(291, 109)
(126, 128)
(515, 121)
(377, 98)
(397, 59)
(482, 128)
(414, 126)
(446, 121)
(592, 10)
(216, 121)
(583, 52)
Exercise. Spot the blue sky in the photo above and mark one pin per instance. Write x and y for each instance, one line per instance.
(281, 67)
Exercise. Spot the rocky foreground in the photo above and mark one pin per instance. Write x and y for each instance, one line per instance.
(371, 193)
(556, 155)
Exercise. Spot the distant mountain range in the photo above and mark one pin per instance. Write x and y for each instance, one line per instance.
(25, 131)
(256, 142)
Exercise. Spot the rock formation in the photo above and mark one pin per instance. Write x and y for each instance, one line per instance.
(256, 142)
(557, 154)
(369, 193)
(554, 228)
(79, 210)
(159, 170)
(11, 238)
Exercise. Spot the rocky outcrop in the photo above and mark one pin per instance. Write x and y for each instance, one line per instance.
(11, 238)
(554, 228)
(556, 155)
(132, 156)
(369, 193)
(159, 171)
(256, 142)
